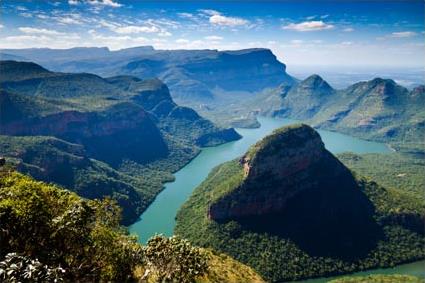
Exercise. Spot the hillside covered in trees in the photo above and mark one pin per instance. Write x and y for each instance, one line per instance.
(120, 137)
(291, 210)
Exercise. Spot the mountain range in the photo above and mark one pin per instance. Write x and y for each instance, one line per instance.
(378, 109)
(87, 133)
(194, 76)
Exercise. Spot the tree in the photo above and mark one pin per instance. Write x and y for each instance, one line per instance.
(16, 268)
(173, 260)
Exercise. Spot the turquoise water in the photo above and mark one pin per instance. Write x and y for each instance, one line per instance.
(159, 217)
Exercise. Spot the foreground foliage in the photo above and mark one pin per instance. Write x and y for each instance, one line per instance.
(173, 260)
(60, 229)
(48, 234)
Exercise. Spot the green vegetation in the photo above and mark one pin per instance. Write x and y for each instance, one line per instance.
(60, 229)
(396, 278)
(16, 268)
(279, 258)
(399, 171)
(173, 260)
(48, 234)
(379, 109)
(121, 137)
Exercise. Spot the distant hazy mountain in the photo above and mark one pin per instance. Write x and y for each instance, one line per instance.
(291, 210)
(194, 76)
(86, 132)
(378, 109)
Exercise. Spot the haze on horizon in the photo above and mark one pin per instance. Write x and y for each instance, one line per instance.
(319, 33)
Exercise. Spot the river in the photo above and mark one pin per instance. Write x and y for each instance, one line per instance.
(159, 218)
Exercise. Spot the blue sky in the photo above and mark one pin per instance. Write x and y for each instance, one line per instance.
(333, 33)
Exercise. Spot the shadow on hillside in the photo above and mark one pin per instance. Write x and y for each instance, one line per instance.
(327, 223)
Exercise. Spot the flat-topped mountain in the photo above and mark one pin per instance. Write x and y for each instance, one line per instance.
(194, 76)
(291, 210)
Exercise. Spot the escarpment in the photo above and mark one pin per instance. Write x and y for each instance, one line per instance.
(122, 131)
(283, 166)
(293, 187)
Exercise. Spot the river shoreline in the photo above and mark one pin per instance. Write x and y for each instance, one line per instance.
(159, 217)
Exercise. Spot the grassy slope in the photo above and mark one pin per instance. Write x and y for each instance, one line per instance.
(280, 259)
(223, 268)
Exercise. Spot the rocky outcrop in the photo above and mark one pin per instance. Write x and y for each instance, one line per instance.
(293, 187)
(123, 131)
(291, 162)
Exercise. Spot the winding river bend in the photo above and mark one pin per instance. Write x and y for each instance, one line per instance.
(159, 218)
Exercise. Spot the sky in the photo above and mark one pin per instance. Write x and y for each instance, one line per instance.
(300, 33)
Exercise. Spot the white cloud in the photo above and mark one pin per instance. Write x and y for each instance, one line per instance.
(185, 15)
(164, 33)
(40, 40)
(110, 3)
(117, 42)
(213, 37)
(42, 16)
(69, 20)
(403, 34)
(348, 30)
(43, 31)
(26, 15)
(347, 43)
(309, 26)
(21, 8)
(1, 26)
(297, 41)
(227, 21)
(110, 25)
(210, 12)
(135, 29)
(182, 41)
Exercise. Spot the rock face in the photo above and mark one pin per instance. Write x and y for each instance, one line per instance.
(123, 131)
(279, 160)
(294, 187)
